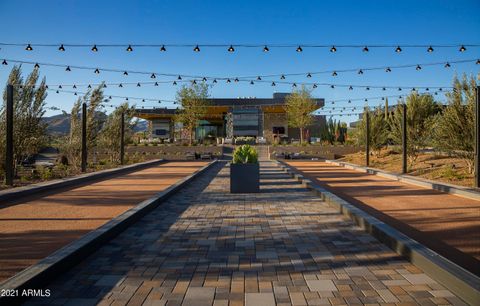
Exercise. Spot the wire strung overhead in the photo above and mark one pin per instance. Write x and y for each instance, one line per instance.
(251, 79)
(365, 48)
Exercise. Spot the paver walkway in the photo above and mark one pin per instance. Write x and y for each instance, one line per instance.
(283, 246)
(446, 223)
(35, 227)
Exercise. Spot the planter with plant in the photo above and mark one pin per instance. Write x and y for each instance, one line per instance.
(245, 170)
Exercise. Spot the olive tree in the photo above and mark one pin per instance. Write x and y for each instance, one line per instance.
(299, 106)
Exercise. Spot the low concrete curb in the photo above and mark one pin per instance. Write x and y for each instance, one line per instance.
(40, 274)
(460, 281)
(74, 181)
(444, 187)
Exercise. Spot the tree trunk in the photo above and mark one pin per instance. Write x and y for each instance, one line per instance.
(301, 135)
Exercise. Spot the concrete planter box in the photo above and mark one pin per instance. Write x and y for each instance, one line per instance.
(244, 178)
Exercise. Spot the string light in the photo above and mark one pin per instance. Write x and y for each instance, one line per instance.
(179, 78)
(282, 77)
(265, 49)
(29, 48)
(163, 49)
(61, 48)
(125, 73)
(68, 68)
(333, 49)
(309, 75)
(153, 76)
(251, 83)
(204, 79)
(215, 81)
(365, 49)
(447, 65)
(360, 71)
(430, 49)
(228, 81)
(138, 85)
(477, 62)
(462, 49)
(4, 62)
(398, 49)
(388, 69)
(231, 49)
(74, 86)
(196, 49)
(37, 65)
(97, 71)
(350, 88)
(334, 73)
(299, 49)
(314, 85)
(94, 48)
(174, 83)
(259, 78)
(129, 48)
(418, 68)
(120, 85)
(273, 84)
(156, 84)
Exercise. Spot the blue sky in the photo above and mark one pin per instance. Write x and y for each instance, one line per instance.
(237, 22)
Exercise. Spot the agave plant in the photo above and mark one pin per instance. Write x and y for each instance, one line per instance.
(245, 154)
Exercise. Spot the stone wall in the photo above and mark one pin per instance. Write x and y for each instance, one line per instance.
(273, 120)
(314, 151)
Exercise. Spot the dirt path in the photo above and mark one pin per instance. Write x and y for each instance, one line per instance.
(448, 224)
(35, 227)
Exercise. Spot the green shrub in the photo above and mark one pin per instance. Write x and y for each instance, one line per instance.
(245, 154)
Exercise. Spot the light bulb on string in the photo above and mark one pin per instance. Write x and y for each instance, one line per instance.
(259, 78)
(89, 86)
(273, 84)
(215, 81)
(294, 85)
(350, 88)
(309, 75)
(265, 49)
(251, 83)
(104, 85)
(120, 85)
(36, 65)
(299, 49)
(228, 81)
(430, 49)
(153, 76)
(231, 49)
(74, 86)
(138, 85)
(125, 73)
(204, 79)
(462, 49)
(68, 68)
(156, 84)
(4, 63)
(333, 49)
(365, 49)
(360, 71)
(334, 73)
(447, 65)
(196, 49)
(236, 80)
(398, 49)
(61, 48)
(163, 49)
(129, 48)
(94, 48)
(97, 71)
(174, 83)
(388, 69)
(314, 85)
(418, 68)
(282, 77)
(29, 48)
(179, 77)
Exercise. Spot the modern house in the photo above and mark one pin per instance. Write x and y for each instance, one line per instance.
(229, 118)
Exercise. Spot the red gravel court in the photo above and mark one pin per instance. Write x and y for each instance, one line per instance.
(36, 227)
(448, 224)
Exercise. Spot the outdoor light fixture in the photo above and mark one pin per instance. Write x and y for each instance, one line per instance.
(333, 49)
(231, 49)
(360, 71)
(368, 88)
(384, 89)
(125, 73)
(273, 84)
(236, 80)
(282, 77)
(204, 79)
(294, 85)
(388, 69)
(120, 85)
(59, 86)
(36, 65)
(29, 48)
(418, 68)
(398, 49)
(314, 85)
(430, 49)
(309, 75)
(4, 62)
(350, 88)
(94, 48)
(447, 65)
(61, 48)
(440, 89)
(334, 73)
(427, 89)
(365, 49)
(332, 86)
(74, 86)
(75, 94)
(228, 81)
(104, 85)
(215, 81)
(259, 78)
(129, 48)
(68, 68)
(97, 71)
(349, 101)
(163, 49)
(153, 76)
(477, 62)
(265, 49)
(194, 82)
(89, 86)
(251, 82)
(299, 49)
(179, 77)
(156, 84)
(399, 89)
(174, 83)
(462, 48)
(196, 49)
(138, 85)
(57, 91)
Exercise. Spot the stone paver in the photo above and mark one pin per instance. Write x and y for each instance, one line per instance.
(283, 246)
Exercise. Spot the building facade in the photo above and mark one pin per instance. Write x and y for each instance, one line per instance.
(230, 118)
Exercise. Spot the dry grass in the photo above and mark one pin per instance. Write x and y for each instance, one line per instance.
(429, 166)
